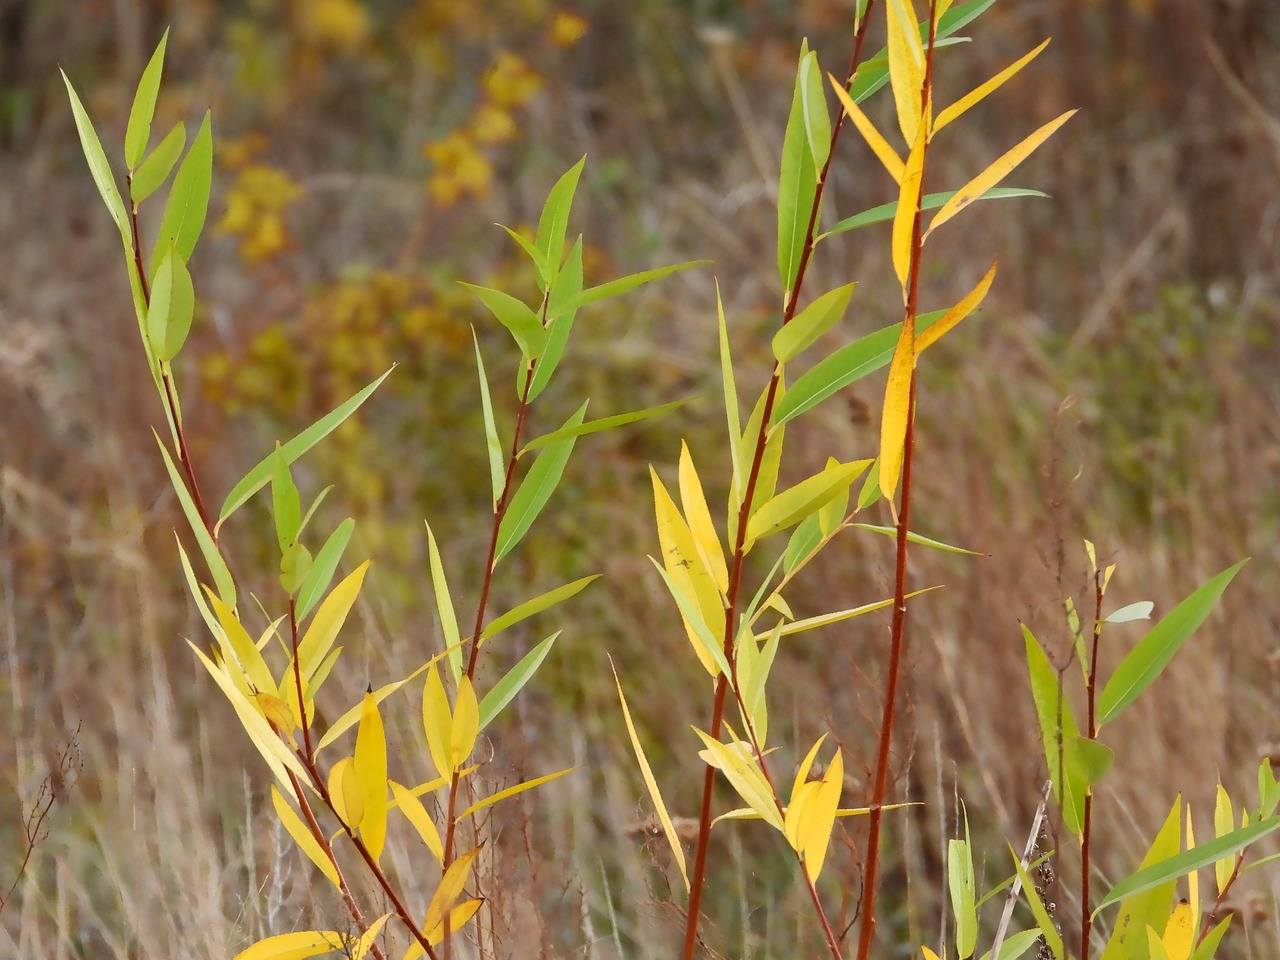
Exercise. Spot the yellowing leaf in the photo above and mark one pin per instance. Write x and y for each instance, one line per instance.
(294, 946)
(897, 409)
(825, 619)
(966, 306)
(989, 177)
(978, 94)
(737, 762)
(512, 791)
(303, 837)
(906, 65)
(247, 654)
(1193, 878)
(1223, 823)
(908, 209)
(651, 784)
(458, 918)
(417, 815)
(466, 723)
(702, 529)
(352, 716)
(801, 788)
(819, 817)
(805, 498)
(437, 722)
(345, 793)
(329, 619)
(878, 144)
(451, 884)
(444, 605)
(371, 773)
(362, 946)
(929, 954)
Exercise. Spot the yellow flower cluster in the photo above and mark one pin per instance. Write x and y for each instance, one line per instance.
(256, 205)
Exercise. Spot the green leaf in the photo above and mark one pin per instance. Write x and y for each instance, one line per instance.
(155, 169)
(1207, 949)
(172, 307)
(539, 603)
(497, 469)
(730, 390)
(1015, 945)
(811, 323)
(1150, 908)
(915, 538)
(561, 310)
(258, 477)
(1154, 651)
(1086, 761)
(626, 284)
(806, 497)
(1183, 863)
(851, 362)
(317, 580)
(138, 132)
(1057, 726)
(604, 423)
(98, 165)
(817, 122)
(931, 201)
(554, 222)
(1133, 611)
(533, 494)
(534, 254)
(286, 504)
(505, 690)
(188, 202)
(515, 315)
(1043, 920)
(222, 581)
(797, 185)
(804, 540)
(962, 887)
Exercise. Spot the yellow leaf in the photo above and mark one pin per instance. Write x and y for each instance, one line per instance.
(991, 176)
(352, 716)
(303, 837)
(1223, 823)
(328, 620)
(345, 794)
(966, 306)
(458, 918)
(819, 817)
(370, 767)
(929, 954)
(683, 562)
(906, 65)
(804, 499)
(878, 144)
(466, 723)
(826, 619)
(978, 94)
(793, 819)
(417, 815)
(737, 762)
(247, 654)
(290, 699)
(1193, 878)
(512, 791)
(802, 777)
(897, 408)
(294, 946)
(646, 772)
(437, 721)
(904, 217)
(451, 884)
(365, 943)
(703, 530)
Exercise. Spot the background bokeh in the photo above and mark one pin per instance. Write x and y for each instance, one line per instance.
(1121, 385)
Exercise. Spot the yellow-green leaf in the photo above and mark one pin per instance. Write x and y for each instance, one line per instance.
(246, 652)
(806, 497)
(371, 772)
(1223, 823)
(737, 762)
(444, 606)
(811, 623)
(966, 306)
(512, 791)
(303, 837)
(329, 618)
(878, 144)
(466, 723)
(651, 784)
(811, 323)
(437, 721)
(352, 716)
(539, 603)
(989, 177)
(138, 130)
(978, 94)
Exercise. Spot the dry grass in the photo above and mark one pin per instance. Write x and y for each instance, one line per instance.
(163, 846)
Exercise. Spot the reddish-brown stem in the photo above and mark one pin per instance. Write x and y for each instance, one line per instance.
(1086, 832)
(897, 630)
(297, 679)
(697, 880)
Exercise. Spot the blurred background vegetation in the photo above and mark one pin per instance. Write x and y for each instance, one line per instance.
(1121, 386)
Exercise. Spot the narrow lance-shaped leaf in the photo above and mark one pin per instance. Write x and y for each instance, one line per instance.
(208, 549)
(604, 423)
(562, 307)
(961, 885)
(98, 165)
(138, 131)
(966, 306)
(323, 566)
(513, 681)
(331, 615)
(904, 218)
(513, 791)
(371, 773)
(1147, 908)
(739, 766)
(875, 140)
(885, 212)
(417, 815)
(451, 884)
(651, 784)
(897, 409)
(846, 365)
(811, 323)
(188, 203)
(553, 224)
(294, 946)
(1048, 928)
(539, 603)
(817, 122)
(797, 186)
(493, 445)
(444, 606)
(730, 389)
(1057, 728)
(613, 288)
(521, 322)
(303, 837)
(532, 495)
(1148, 659)
(698, 516)
(795, 503)
(155, 169)
(906, 65)
(437, 721)
(989, 177)
(981, 92)
(258, 477)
